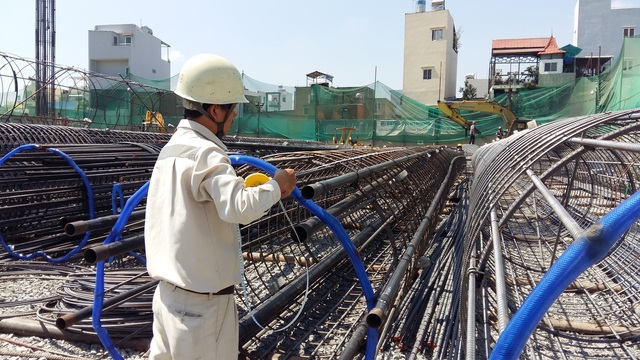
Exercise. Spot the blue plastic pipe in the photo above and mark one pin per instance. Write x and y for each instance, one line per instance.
(338, 230)
(90, 204)
(98, 298)
(330, 220)
(117, 194)
(591, 247)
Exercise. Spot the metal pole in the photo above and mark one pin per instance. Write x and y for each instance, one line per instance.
(373, 116)
(609, 144)
(471, 310)
(501, 289)
(321, 187)
(572, 226)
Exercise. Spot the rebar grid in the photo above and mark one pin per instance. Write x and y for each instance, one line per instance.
(380, 211)
(596, 315)
(380, 204)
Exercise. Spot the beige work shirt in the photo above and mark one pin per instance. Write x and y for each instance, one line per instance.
(194, 205)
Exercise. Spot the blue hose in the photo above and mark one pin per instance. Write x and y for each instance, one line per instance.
(117, 194)
(98, 298)
(90, 204)
(591, 247)
(330, 220)
(336, 227)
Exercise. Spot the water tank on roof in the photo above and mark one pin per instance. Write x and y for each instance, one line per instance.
(437, 5)
(421, 5)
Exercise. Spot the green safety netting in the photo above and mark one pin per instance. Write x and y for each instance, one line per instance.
(376, 114)
(372, 114)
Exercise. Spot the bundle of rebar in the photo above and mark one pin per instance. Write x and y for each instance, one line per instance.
(42, 191)
(380, 197)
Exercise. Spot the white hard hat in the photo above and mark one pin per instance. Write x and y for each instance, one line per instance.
(210, 79)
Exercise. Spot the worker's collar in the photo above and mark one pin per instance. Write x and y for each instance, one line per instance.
(202, 131)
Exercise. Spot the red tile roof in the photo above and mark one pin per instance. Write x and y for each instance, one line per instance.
(533, 46)
(552, 48)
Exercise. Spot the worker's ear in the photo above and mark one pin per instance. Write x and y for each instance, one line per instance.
(213, 110)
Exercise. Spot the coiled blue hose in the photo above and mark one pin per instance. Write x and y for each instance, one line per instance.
(591, 247)
(98, 293)
(90, 205)
(330, 220)
(338, 230)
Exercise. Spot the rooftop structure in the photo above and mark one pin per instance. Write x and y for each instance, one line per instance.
(516, 63)
(430, 67)
(127, 49)
(319, 78)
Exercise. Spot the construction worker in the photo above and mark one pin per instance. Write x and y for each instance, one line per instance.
(499, 133)
(194, 205)
(472, 133)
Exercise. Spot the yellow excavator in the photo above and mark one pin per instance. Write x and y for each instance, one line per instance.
(347, 140)
(154, 119)
(451, 109)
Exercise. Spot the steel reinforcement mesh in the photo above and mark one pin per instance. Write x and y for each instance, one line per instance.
(380, 197)
(597, 315)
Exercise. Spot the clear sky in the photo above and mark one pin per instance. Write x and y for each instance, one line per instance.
(279, 42)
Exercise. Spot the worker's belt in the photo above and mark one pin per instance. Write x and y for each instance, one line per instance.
(226, 291)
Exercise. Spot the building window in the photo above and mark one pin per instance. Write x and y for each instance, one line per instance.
(629, 31)
(437, 34)
(127, 40)
(551, 67)
(426, 74)
(627, 64)
(153, 71)
(115, 41)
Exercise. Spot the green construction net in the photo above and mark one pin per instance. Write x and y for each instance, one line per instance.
(376, 114)
(372, 115)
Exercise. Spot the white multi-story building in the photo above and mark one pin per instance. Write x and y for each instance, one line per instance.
(599, 28)
(430, 54)
(481, 86)
(128, 49)
(280, 99)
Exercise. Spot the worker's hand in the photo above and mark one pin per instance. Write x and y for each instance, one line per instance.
(286, 179)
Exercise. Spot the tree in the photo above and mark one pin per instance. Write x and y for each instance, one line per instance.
(530, 77)
(468, 91)
(457, 33)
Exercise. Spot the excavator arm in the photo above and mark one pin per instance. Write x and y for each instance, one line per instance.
(451, 109)
(453, 114)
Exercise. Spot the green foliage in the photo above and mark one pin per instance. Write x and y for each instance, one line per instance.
(531, 74)
(456, 39)
(530, 77)
(468, 91)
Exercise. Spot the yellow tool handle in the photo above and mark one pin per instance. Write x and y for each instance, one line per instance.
(256, 179)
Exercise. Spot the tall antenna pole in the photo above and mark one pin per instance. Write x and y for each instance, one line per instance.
(375, 104)
(45, 57)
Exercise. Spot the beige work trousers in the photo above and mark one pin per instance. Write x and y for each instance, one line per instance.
(190, 326)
